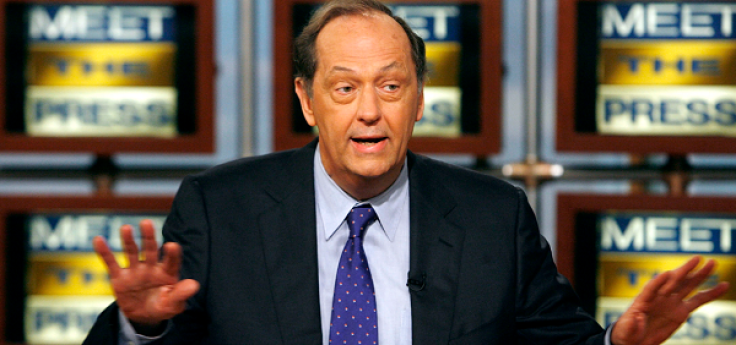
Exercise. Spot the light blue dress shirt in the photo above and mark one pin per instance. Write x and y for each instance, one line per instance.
(386, 245)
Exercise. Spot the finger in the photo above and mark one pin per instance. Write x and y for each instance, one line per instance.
(172, 259)
(653, 287)
(679, 275)
(129, 246)
(696, 279)
(184, 289)
(706, 296)
(104, 252)
(148, 237)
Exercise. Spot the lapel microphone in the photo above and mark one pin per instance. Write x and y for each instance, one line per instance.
(416, 282)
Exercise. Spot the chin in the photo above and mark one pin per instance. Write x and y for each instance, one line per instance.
(370, 174)
(372, 171)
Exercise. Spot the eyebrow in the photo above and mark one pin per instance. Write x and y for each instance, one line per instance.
(393, 65)
(341, 69)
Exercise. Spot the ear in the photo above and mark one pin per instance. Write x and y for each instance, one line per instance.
(304, 100)
(420, 106)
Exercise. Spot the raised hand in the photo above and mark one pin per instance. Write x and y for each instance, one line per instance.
(664, 304)
(148, 292)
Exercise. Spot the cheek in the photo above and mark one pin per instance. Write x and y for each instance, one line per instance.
(333, 128)
(407, 120)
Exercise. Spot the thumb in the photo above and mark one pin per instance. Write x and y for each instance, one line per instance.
(174, 301)
(183, 290)
(640, 325)
(629, 330)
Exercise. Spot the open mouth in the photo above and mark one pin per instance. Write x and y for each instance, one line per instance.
(369, 141)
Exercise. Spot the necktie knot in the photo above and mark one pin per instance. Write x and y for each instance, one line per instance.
(359, 218)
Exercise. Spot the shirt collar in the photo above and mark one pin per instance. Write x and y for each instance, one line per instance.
(333, 203)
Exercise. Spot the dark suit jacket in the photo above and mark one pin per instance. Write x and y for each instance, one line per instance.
(483, 274)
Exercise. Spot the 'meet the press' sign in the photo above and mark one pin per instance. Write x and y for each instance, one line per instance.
(667, 69)
(101, 70)
(67, 285)
(636, 247)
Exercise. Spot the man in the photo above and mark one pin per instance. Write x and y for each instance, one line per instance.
(455, 256)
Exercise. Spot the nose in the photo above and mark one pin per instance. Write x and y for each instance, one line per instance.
(369, 108)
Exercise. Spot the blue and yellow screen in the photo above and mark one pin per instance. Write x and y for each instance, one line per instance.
(666, 68)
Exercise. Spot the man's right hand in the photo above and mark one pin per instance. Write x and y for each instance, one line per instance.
(148, 291)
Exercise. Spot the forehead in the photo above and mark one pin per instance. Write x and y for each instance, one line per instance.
(362, 39)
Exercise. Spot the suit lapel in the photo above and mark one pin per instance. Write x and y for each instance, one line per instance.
(434, 255)
(288, 232)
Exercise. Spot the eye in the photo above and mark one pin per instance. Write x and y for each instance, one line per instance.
(391, 87)
(344, 89)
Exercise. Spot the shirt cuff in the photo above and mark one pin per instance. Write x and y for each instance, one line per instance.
(128, 336)
(608, 334)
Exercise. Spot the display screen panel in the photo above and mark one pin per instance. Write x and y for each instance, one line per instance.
(452, 93)
(610, 247)
(656, 68)
(99, 70)
(59, 286)
(634, 247)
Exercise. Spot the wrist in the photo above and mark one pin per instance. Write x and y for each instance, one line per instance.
(149, 330)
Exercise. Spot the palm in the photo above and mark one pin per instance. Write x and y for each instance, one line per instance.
(147, 292)
(664, 305)
(141, 293)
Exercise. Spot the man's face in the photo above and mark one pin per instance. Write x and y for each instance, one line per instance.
(365, 99)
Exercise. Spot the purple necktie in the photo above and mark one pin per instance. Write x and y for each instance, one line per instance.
(354, 318)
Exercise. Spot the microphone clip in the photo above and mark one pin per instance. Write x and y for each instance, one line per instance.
(417, 283)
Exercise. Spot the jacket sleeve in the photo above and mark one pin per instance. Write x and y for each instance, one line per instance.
(187, 224)
(106, 328)
(547, 309)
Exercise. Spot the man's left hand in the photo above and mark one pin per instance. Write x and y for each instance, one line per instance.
(664, 304)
